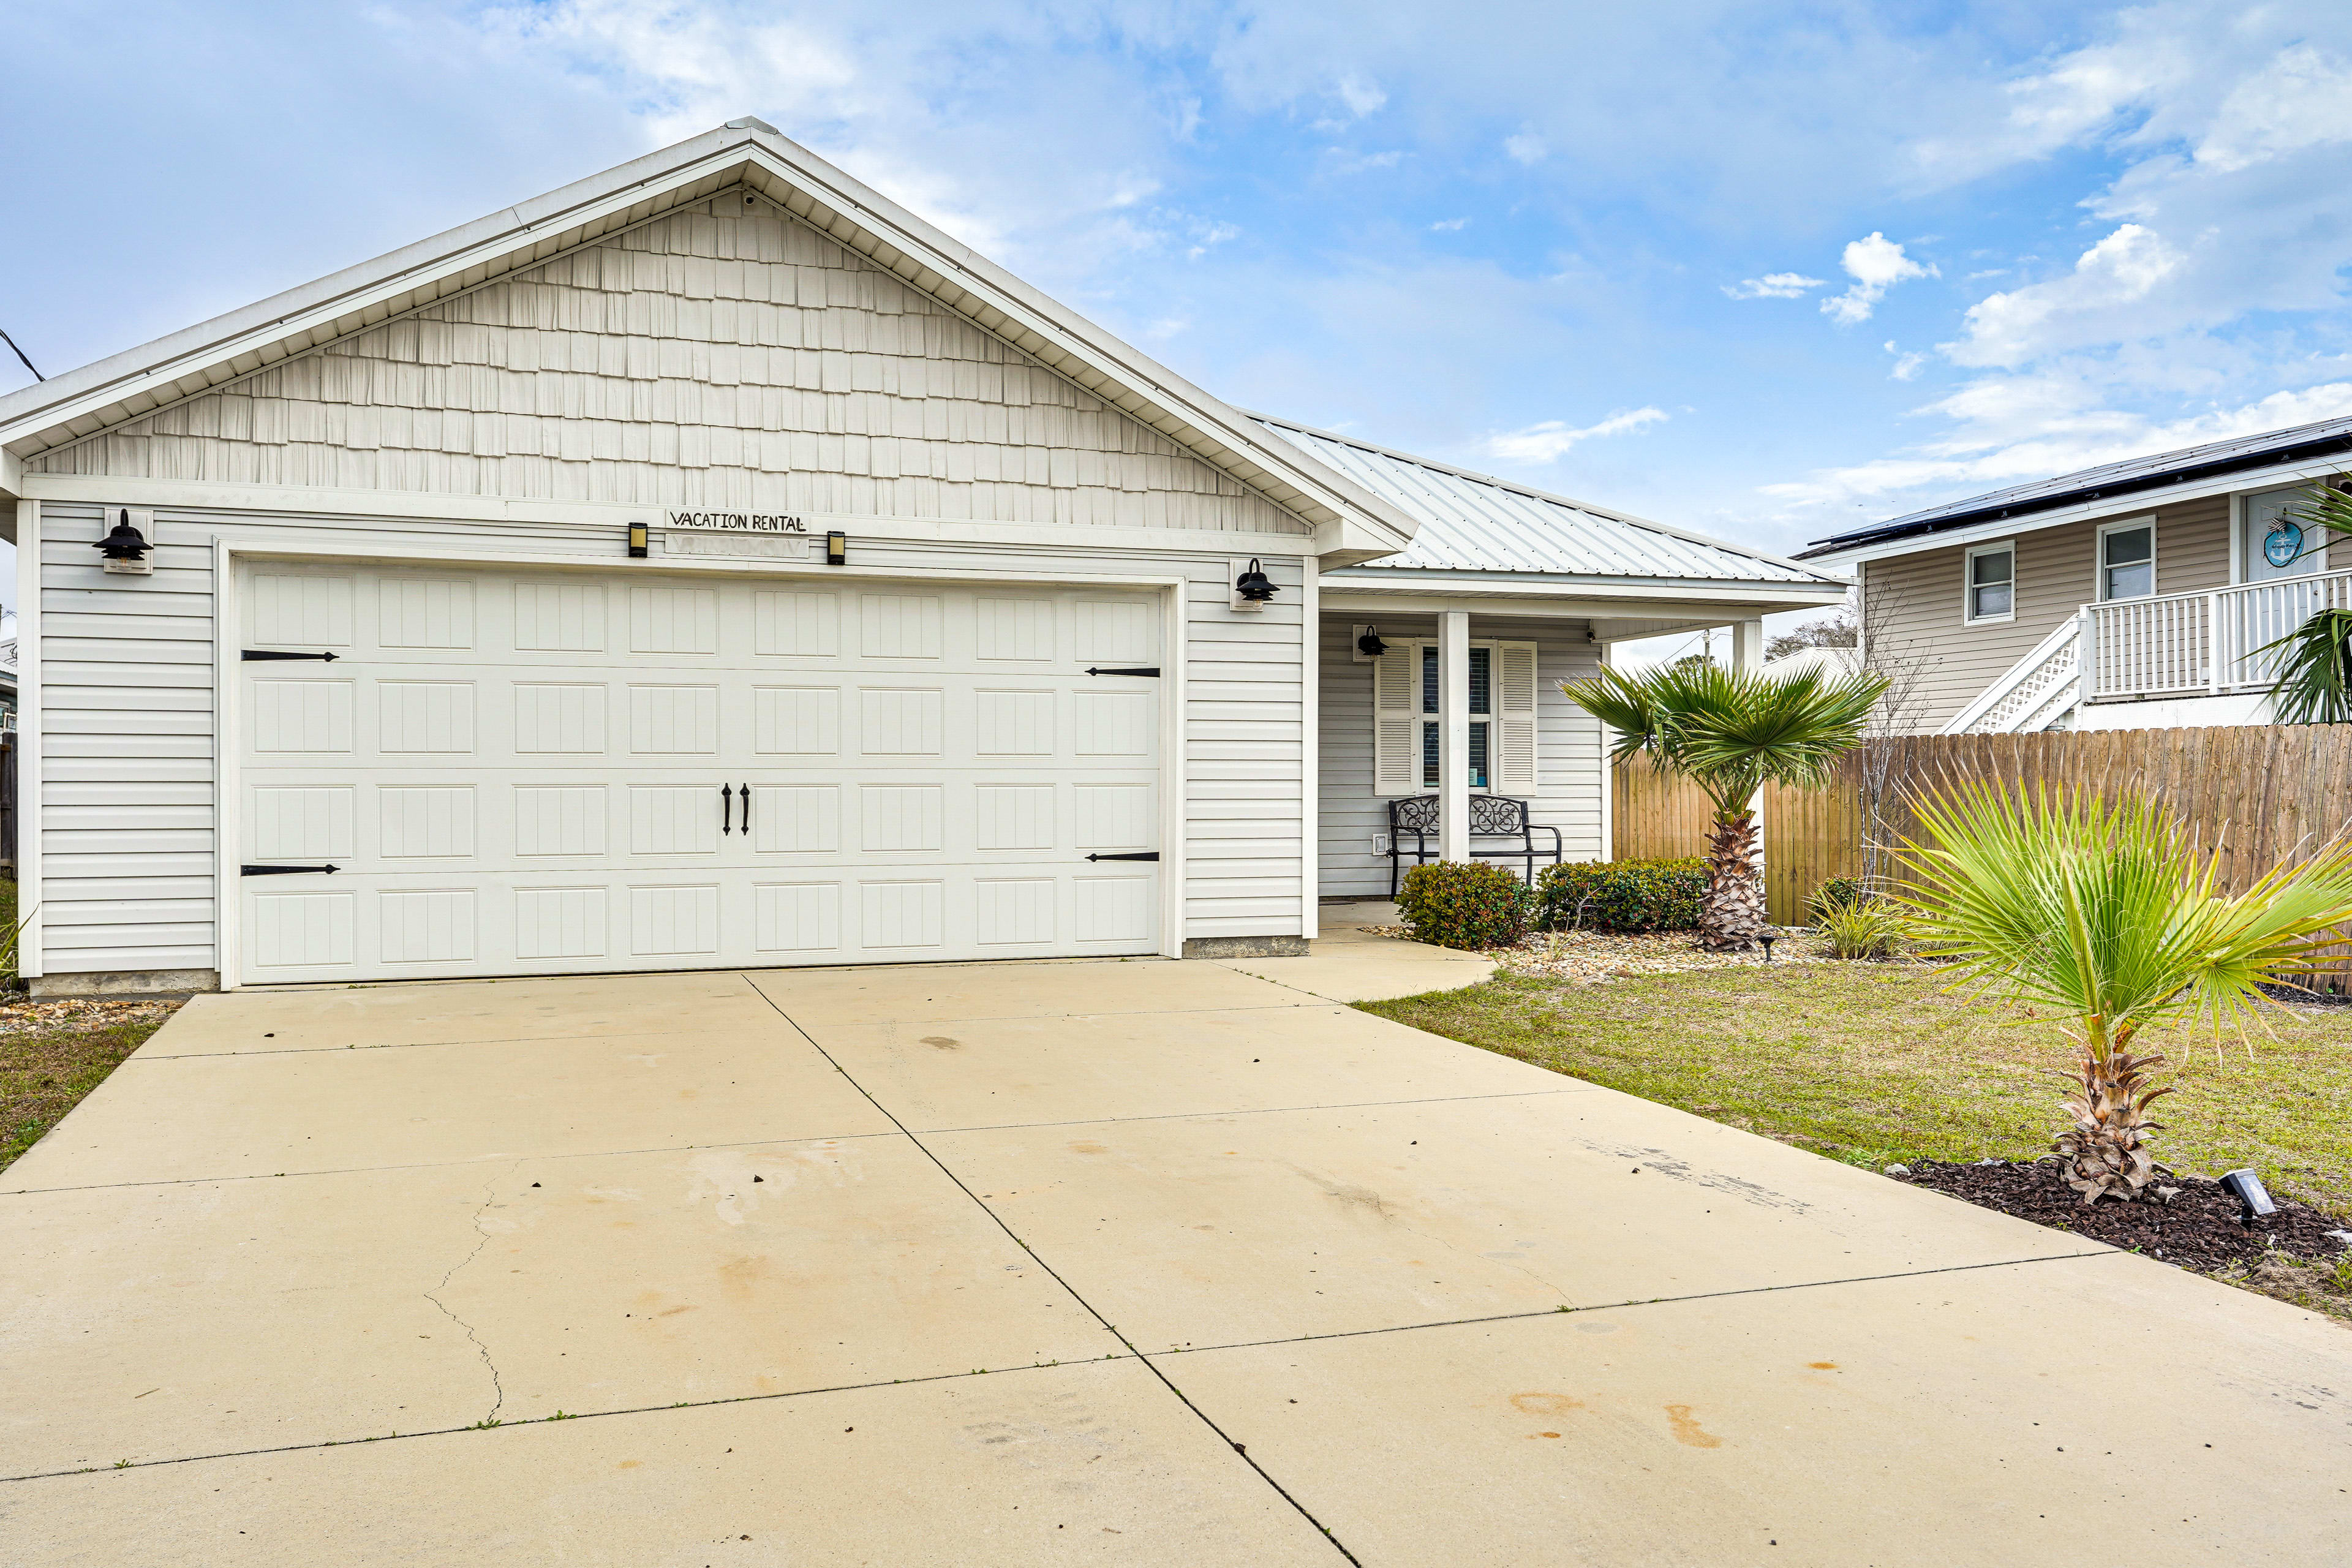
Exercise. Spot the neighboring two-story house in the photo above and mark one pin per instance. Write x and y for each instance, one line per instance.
(2136, 595)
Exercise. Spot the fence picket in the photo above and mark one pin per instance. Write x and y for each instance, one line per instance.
(2258, 792)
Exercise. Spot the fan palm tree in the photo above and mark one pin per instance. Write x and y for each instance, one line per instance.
(2315, 678)
(2109, 915)
(1731, 732)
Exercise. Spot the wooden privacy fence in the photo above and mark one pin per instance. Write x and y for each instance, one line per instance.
(2261, 793)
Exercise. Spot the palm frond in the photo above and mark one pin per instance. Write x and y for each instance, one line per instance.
(2315, 681)
(2108, 912)
(1731, 731)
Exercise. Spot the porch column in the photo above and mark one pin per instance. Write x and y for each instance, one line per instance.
(1453, 735)
(1747, 645)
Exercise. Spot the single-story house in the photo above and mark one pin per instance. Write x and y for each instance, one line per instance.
(2135, 595)
(712, 564)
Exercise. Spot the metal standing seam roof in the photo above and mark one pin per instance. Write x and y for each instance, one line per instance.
(1472, 522)
(2124, 477)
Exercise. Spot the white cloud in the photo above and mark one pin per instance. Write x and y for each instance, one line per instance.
(2118, 272)
(1774, 286)
(1906, 365)
(1449, 226)
(1527, 147)
(2012, 430)
(1216, 234)
(1876, 264)
(1549, 441)
(1360, 95)
(2299, 101)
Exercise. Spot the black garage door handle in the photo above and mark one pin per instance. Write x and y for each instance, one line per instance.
(1144, 855)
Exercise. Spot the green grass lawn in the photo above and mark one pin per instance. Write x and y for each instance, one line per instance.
(45, 1071)
(1874, 1064)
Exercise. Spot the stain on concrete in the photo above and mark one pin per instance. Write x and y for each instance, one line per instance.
(1687, 1431)
(1546, 1405)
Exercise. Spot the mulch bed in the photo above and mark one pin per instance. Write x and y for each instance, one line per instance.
(2198, 1229)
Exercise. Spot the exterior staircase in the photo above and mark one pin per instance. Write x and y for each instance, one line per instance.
(2040, 692)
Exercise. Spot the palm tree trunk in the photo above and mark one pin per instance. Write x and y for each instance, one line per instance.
(2105, 1152)
(1732, 915)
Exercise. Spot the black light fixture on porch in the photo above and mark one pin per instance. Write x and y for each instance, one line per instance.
(640, 540)
(1370, 645)
(1253, 585)
(125, 548)
(837, 549)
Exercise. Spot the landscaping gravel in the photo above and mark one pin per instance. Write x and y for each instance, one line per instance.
(1592, 957)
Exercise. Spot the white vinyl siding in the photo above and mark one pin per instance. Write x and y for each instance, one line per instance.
(127, 790)
(1565, 792)
(719, 357)
(127, 721)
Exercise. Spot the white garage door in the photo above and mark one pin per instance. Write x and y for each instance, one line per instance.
(518, 773)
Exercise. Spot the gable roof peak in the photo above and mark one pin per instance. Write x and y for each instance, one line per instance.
(1350, 523)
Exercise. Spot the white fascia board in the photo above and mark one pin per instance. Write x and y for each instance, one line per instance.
(1697, 613)
(2109, 508)
(230, 347)
(1407, 581)
(234, 346)
(332, 508)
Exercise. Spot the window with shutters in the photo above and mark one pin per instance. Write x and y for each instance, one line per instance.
(1408, 736)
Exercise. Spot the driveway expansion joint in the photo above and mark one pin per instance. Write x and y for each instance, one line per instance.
(1092, 1310)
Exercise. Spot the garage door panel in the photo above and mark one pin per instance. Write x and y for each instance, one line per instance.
(515, 774)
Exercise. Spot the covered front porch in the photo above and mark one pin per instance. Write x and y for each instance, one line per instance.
(1462, 700)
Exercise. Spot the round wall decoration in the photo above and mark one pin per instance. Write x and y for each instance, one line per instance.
(2283, 543)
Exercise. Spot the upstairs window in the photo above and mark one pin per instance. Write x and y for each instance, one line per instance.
(2127, 561)
(1991, 583)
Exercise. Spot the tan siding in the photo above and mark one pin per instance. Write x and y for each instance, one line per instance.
(1568, 746)
(723, 358)
(1915, 600)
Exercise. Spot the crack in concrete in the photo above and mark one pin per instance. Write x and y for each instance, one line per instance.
(497, 1387)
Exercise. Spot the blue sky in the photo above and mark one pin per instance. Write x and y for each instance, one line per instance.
(1762, 271)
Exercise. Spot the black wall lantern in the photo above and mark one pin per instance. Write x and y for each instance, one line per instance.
(1252, 586)
(837, 549)
(125, 549)
(1370, 645)
(640, 540)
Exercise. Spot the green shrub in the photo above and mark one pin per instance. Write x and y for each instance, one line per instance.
(1869, 929)
(1837, 893)
(1474, 906)
(1621, 895)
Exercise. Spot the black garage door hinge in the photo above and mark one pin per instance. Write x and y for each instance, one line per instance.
(280, 870)
(254, 653)
(1152, 671)
(1142, 855)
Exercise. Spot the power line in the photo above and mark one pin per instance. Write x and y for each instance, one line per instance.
(5, 338)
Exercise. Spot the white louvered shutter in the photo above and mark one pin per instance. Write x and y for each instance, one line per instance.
(1396, 720)
(1514, 717)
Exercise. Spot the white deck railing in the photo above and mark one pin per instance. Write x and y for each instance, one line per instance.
(2198, 644)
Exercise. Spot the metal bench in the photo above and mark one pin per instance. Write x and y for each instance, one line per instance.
(1491, 816)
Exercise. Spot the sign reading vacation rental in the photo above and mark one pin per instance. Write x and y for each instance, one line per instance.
(735, 521)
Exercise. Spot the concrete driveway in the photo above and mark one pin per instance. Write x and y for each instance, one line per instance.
(1136, 1262)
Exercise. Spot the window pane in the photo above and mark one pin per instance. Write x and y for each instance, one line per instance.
(2125, 545)
(1429, 756)
(1482, 663)
(1429, 680)
(1998, 567)
(2134, 581)
(1477, 756)
(1992, 599)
